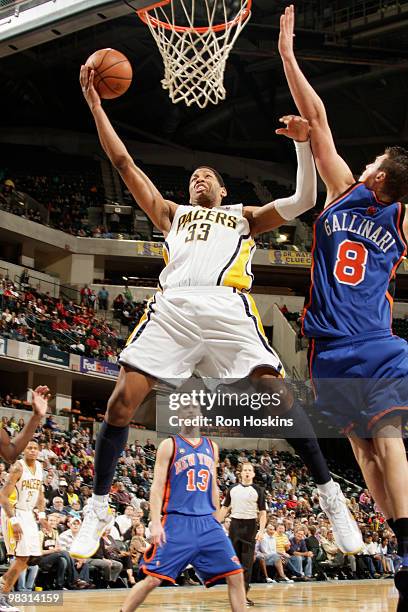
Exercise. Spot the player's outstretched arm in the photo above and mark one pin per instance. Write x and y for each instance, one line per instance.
(14, 475)
(264, 218)
(334, 171)
(161, 468)
(159, 210)
(10, 448)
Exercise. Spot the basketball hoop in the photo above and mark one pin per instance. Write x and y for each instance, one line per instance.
(195, 38)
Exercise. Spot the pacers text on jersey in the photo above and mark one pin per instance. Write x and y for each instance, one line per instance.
(202, 214)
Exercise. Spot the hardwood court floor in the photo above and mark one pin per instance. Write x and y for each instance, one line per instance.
(344, 596)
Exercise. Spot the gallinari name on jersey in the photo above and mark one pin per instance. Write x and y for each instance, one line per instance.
(347, 222)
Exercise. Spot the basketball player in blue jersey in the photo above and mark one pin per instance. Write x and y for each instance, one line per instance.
(359, 241)
(203, 319)
(185, 504)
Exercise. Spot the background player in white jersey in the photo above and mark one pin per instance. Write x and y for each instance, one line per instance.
(22, 493)
(203, 321)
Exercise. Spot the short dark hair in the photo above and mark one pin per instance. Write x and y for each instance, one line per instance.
(395, 165)
(217, 175)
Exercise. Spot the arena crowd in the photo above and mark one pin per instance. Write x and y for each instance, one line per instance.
(298, 544)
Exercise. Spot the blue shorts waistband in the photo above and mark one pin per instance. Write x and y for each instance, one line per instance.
(326, 343)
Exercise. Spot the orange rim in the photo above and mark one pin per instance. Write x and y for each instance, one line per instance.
(147, 18)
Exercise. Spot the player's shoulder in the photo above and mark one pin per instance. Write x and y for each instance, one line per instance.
(258, 488)
(166, 449)
(16, 468)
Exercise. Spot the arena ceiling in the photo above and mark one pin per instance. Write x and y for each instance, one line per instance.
(353, 52)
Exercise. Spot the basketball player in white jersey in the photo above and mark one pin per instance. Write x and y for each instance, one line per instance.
(20, 496)
(10, 448)
(202, 320)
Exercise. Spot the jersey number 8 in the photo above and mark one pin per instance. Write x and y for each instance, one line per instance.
(351, 263)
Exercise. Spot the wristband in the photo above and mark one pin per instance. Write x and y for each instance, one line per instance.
(14, 520)
(41, 515)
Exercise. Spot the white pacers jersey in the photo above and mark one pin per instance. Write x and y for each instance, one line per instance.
(29, 486)
(207, 247)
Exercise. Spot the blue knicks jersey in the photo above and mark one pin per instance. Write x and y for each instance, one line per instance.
(358, 245)
(190, 479)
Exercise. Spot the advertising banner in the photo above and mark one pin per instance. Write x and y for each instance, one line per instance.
(291, 258)
(50, 355)
(93, 366)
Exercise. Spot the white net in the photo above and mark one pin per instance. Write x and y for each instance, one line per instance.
(195, 38)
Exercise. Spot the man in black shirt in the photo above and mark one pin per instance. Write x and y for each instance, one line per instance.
(246, 502)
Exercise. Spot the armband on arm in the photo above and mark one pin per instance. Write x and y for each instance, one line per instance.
(306, 185)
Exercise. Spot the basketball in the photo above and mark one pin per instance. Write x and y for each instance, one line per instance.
(113, 72)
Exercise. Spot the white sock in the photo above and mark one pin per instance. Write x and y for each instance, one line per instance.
(101, 500)
(328, 488)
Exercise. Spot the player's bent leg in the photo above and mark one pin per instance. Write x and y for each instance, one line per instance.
(390, 450)
(139, 593)
(365, 454)
(236, 592)
(303, 439)
(130, 390)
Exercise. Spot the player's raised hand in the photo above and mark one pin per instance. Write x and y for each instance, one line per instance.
(39, 401)
(286, 33)
(158, 535)
(295, 128)
(86, 79)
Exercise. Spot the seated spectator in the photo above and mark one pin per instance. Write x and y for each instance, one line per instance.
(118, 552)
(81, 566)
(138, 545)
(123, 522)
(149, 447)
(333, 552)
(55, 560)
(49, 491)
(121, 497)
(300, 559)
(103, 560)
(58, 508)
(70, 496)
(265, 552)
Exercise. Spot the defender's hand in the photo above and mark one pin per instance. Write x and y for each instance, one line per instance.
(286, 33)
(86, 79)
(296, 128)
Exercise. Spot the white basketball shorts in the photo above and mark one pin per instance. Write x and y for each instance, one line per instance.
(214, 332)
(29, 544)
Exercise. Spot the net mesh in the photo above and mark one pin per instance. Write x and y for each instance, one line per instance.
(195, 39)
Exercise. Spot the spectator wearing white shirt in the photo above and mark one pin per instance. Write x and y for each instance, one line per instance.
(265, 552)
(123, 521)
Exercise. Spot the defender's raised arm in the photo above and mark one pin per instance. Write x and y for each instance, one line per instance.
(332, 168)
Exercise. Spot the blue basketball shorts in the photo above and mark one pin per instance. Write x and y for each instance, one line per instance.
(196, 540)
(359, 381)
